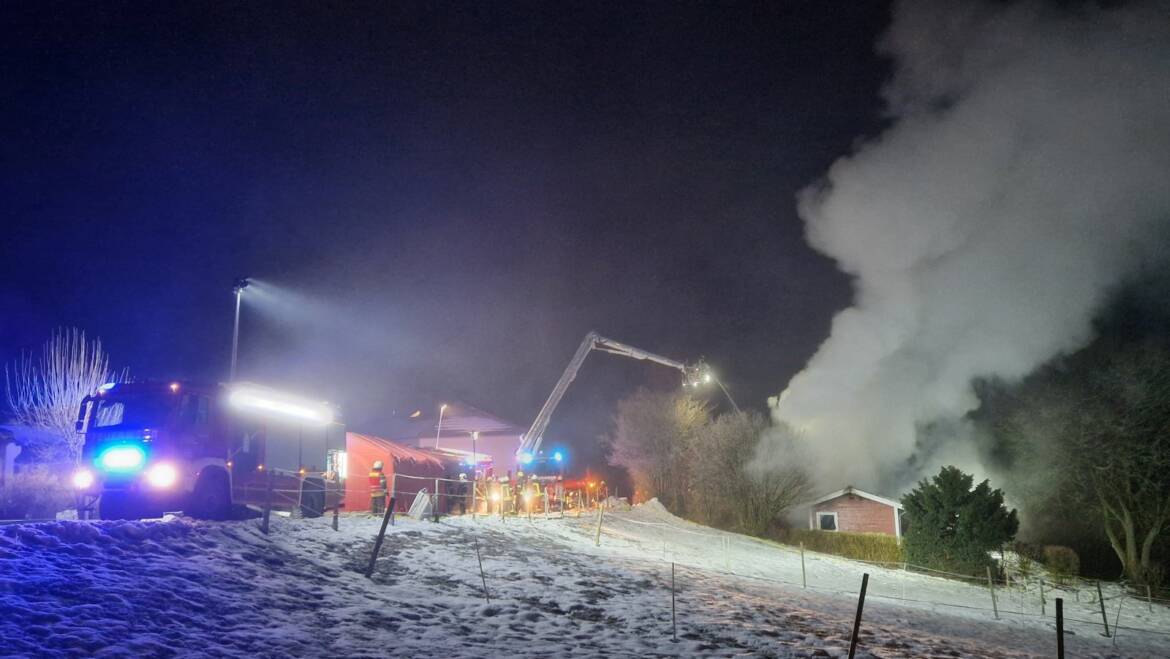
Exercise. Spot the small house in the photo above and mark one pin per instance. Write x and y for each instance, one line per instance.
(855, 511)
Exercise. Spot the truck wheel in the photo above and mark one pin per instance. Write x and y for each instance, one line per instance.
(212, 497)
(312, 497)
(118, 505)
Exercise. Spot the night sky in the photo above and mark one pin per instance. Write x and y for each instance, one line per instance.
(450, 194)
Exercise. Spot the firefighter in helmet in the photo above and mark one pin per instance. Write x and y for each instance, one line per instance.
(377, 489)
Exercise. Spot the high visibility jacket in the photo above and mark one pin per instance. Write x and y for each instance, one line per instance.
(377, 483)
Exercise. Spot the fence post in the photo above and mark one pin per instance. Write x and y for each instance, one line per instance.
(857, 619)
(336, 513)
(1042, 607)
(1149, 599)
(435, 503)
(803, 576)
(381, 534)
(481, 575)
(727, 553)
(1101, 601)
(600, 516)
(1117, 619)
(267, 504)
(1059, 628)
(673, 620)
(991, 587)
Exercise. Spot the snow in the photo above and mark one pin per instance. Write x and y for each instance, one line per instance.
(178, 587)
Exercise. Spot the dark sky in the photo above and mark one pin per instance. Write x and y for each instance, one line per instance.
(447, 196)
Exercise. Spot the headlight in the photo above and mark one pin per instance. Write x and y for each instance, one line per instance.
(82, 479)
(126, 457)
(162, 475)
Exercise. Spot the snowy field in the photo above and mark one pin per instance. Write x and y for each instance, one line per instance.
(184, 588)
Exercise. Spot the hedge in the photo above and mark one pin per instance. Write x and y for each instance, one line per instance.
(875, 547)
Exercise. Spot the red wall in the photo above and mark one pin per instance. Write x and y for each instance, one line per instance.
(363, 450)
(858, 515)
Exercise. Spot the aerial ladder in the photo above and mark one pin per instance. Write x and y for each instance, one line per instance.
(694, 375)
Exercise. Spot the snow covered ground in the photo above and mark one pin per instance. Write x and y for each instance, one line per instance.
(185, 588)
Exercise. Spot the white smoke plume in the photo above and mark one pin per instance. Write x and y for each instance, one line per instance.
(1024, 175)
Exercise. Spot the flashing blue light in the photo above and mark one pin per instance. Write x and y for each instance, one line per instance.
(558, 457)
(525, 458)
(122, 458)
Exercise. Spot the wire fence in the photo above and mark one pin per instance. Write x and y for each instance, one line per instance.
(1022, 600)
(1018, 597)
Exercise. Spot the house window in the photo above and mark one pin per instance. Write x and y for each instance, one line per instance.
(827, 521)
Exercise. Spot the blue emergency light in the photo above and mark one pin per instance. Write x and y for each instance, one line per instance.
(122, 458)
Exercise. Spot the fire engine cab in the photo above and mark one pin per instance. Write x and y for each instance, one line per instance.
(155, 447)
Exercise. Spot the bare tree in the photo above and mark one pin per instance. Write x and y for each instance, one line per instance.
(46, 393)
(1100, 427)
(734, 485)
(654, 438)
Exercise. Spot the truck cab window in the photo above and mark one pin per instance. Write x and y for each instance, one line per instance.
(193, 411)
(109, 413)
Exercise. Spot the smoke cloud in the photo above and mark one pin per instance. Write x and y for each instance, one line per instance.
(1023, 177)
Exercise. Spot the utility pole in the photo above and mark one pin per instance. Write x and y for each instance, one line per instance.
(238, 287)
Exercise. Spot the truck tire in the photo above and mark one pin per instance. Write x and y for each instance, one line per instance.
(312, 497)
(116, 504)
(212, 496)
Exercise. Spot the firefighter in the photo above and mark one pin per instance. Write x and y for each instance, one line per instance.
(377, 489)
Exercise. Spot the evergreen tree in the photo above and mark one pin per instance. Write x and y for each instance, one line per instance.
(953, 526)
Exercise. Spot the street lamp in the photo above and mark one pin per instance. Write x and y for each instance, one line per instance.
(238, 287)
(439, 428)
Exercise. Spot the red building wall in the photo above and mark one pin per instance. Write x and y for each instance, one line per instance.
(416, 470)
(858, 515)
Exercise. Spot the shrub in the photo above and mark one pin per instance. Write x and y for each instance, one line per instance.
(954, 524)
(875, 547)
(1062, 562)
(33, 494)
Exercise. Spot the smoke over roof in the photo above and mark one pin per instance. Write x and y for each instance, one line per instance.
(1022, 178)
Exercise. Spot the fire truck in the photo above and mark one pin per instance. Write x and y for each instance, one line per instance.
(205, 450)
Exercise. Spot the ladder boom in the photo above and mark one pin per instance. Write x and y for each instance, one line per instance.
(593, 341)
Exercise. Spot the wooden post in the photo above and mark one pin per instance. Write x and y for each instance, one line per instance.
(1059, 628)
(267, 504)
(857, 619)
(803, 576)
(381, 534)
(991, 587)
(1149, 599)
(481, 575)
(1042, 607)
(727, 553)
(336, 513)
(600, 515)
(673, 620)
(1101, 601)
